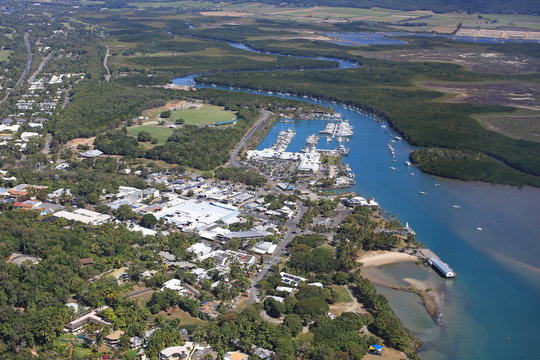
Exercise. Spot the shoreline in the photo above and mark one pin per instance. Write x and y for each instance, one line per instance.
(381, 257)
(432, 299)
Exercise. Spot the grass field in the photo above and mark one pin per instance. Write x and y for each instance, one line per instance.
(177, 313)
(4, 55)
(64, 341)
(332, 160)
(159, 132)
(342, 294)
(522, 124)
(207, 114)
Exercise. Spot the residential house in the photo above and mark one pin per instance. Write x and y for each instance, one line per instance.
(113, 339)
(200, 274)
(178, 352)
(174, 284)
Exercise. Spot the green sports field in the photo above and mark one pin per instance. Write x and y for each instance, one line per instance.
(207, 114)
(159, 132)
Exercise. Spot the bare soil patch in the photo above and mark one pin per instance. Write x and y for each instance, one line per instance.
(81, 141)
(225, 13)
(353, 306)
(524, 95)
(445, 29)
(473, 59)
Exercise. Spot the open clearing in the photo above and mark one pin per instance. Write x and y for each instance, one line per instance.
(522, 124)
(4, 55)
(343, 295)
(159, 132)
(206, 114)
(388, 354)
(524, 95)
(478, 60)
(177, 313)
(348, 303)
(81, 141)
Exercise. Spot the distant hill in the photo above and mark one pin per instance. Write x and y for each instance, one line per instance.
(439, 6)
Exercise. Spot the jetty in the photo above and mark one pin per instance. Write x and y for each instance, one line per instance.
(433, 260)
(283, 140)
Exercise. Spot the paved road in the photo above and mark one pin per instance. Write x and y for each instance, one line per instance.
(47, 147)
(28, 62)
(132, 294)
(44, 61)
(108, 76)
(254, 129)
(26, 69)
(272, 260)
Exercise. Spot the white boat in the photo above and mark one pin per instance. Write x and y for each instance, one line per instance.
(408, 229)
(412, 174)
(383, 126)
(422, 193)
(392, 168)
(437, 185)
(456, 206)
(397, 138)
(328, 139)
(479, 228)
(407, 163)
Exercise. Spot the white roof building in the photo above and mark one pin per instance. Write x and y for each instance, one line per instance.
(91, 153)
(200, 249)
(178, 352)
(285, 288)
(193, 214)
(264, 247)
(84, 216)
(25, 136)
(291, 279)
(173, 284)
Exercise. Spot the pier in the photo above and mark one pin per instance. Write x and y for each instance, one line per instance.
(432, 259)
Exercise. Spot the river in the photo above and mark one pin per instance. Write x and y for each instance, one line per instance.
(491, 309)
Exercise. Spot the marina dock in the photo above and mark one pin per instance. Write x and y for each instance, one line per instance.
(433, 260)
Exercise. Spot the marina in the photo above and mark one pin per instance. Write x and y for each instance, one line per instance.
(338, 130)
(311, 143)
(492, 268)
(284, 139)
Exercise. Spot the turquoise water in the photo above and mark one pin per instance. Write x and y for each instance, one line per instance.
(409, 309)
(497, 293)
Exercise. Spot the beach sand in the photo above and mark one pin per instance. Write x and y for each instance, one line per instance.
(377, 258)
